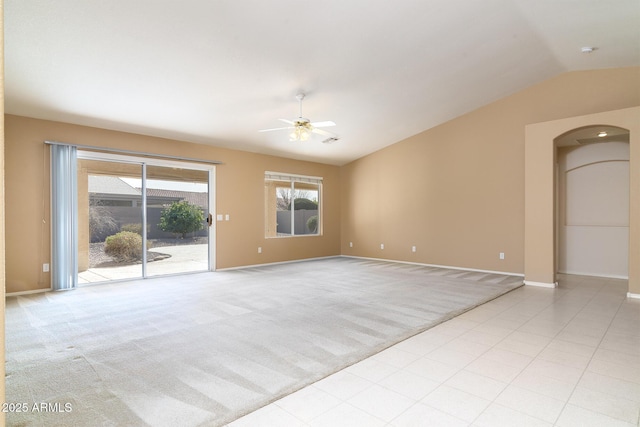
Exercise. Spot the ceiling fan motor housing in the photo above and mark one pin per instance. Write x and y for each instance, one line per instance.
(301, 121)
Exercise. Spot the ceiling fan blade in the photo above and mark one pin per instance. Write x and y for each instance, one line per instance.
(331, 140)
(323, 124)
(289, 122)
(269, 130)
(324, 133)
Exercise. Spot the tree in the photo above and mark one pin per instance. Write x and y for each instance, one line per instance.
(302, 203)
(181, 218)
(284, 196)
(101, 222)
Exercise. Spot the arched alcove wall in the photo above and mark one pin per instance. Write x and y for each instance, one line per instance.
(592, 216)
(540, 205)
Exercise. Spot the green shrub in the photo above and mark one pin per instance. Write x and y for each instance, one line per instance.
(134, 228)
(305, 204)
(181, 218)
(312, 224)
(124, 246)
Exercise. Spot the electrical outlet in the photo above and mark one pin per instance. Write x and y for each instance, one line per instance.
(413, 249)
(350, 244)
(259, 249)
(381, 245)
(501, 255)
(226, 217)
(45, 268)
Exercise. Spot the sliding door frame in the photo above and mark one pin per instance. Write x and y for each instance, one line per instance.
(180, 164)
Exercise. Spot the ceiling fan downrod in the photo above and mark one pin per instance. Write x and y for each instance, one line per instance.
(300, 97)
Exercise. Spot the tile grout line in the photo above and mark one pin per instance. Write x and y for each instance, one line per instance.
(463, 368)
(554, 301)
(592, 356)
(596, 349)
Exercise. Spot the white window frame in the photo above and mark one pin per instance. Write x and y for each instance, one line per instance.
(292, 179)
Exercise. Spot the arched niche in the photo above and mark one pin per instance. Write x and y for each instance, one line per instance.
(592, 185)
(540, 197)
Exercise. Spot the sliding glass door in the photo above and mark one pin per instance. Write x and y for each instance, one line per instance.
(139, 218)
(177, 220)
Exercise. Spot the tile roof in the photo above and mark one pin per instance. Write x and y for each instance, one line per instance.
(114, 186)
(198, 199)
(104, 184)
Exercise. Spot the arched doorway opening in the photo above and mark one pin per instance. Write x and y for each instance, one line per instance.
(592, 201)
(540, 260)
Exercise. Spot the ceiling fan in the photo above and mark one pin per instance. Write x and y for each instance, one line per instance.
(302, 128)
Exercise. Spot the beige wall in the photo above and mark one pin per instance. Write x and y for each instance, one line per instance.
(239, 193)
(456, 191)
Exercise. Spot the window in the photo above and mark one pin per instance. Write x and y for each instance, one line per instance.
(293, 205)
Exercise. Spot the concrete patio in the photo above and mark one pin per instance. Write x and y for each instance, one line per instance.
(183, 258)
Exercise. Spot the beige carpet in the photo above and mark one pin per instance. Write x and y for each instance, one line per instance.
(202, 350)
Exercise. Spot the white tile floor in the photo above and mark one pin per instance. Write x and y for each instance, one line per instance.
(534, 357)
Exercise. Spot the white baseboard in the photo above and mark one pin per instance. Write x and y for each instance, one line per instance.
(36, 291)
(607, 276)
(504, 273)
(634, 296)
(541, 284)
(240, 267)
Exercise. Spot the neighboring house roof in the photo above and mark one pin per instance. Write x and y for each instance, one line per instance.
(198, 199)
(113, 185)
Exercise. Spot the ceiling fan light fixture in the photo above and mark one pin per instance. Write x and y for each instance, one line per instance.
(300, 133)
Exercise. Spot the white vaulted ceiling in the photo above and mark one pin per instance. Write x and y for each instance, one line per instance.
(215, 72)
